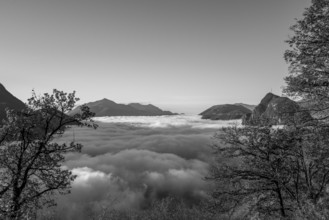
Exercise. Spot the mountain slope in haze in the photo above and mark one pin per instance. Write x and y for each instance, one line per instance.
(151, 109)
(225, 112)
(107, 107)
(7, 100)
(147, 108)
(251, 107)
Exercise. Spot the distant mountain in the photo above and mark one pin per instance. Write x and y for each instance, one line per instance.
(107, 107)
(277, 110)
(7, 100)
(225, 112)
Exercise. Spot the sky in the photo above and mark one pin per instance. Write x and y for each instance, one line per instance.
(180, 55)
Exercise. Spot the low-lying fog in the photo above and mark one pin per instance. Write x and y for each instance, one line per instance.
(129, 162)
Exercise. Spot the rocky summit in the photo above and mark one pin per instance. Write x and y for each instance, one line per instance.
(275, 110)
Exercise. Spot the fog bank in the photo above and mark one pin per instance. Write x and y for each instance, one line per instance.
(129, 162)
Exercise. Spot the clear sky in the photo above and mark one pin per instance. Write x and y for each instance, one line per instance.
(181, 55)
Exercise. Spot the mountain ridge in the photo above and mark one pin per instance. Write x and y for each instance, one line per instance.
(106, 107)
(225, 112)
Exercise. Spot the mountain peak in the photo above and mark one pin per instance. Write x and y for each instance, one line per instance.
(269, 96)
(107, 101)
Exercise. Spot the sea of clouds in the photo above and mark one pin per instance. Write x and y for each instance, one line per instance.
(129, 162)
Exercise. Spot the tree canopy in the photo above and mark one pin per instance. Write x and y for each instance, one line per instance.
(308, 57)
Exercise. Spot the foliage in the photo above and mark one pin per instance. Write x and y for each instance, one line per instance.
(308, 57)
(30, 160)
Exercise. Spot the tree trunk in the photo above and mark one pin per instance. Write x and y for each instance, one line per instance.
(282, 208)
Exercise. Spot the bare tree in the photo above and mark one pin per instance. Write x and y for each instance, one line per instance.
(275, 171)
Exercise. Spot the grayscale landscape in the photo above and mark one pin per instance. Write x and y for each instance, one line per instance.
(164, 110)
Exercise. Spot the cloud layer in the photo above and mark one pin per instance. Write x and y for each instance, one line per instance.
(192, 121)
(129, 162)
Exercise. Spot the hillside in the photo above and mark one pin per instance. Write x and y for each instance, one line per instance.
(7, 100)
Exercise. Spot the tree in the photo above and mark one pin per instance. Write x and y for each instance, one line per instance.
(309, 59)
(275, 171)
(30, 159)
(250, 169)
